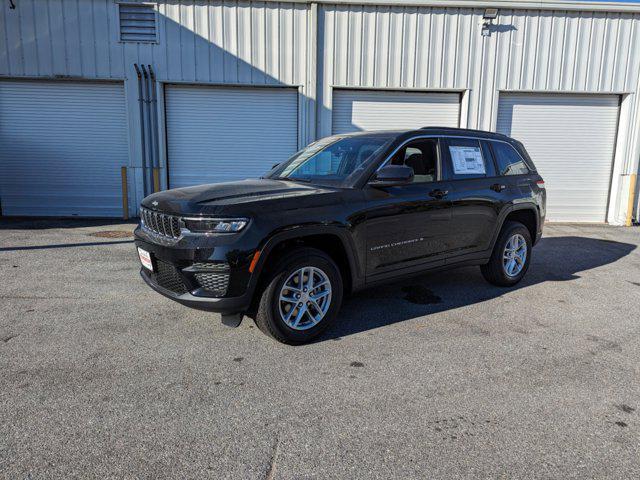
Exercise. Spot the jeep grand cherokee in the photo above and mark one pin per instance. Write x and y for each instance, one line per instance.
(344, 213)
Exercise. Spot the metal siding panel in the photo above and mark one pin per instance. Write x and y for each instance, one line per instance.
(569, 57)
(230, 45)
(29, 38)
(610, 59)
(208, 128)
(272, 42)
(4, 43)
(201, 38)
(244, 42)
(187, 41)
(14, 41)
(583, 51)
(382, 46)
(300, 48)
(101, 38)
(556, 52)
(396, 23)
(216, 38)
(571, 139)
(357, 110)
(622, 62)
(543, 43)
(423, 38)
(341, 45)
(367, 55)
(355, 33)
(171, 20)
(116, 53)
(434, 79)
(409, 48)
(448, 55)
(61, 148)
(87, 37)
(596, 51)
(258, 44)
(286, 45)
(72, 38)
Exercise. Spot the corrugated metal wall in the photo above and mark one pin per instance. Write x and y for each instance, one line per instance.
(436, 48)
(271, 43)
(442, 48)
(201, 41)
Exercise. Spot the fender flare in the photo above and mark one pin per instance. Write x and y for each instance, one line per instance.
(510, 209)
(294, 232)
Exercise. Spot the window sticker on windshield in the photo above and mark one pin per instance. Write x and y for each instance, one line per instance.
(467, 160)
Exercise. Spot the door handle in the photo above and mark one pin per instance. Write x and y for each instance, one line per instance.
(437, 193)
(497, 187)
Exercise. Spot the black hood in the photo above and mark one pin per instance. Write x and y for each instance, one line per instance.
(233, 198)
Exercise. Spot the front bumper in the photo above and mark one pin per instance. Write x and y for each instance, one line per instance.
(224, 305)
(199, 272)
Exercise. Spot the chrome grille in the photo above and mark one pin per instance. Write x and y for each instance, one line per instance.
(160, 223)
(216, 283)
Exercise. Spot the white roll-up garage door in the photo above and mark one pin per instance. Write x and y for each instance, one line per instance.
(217, 134)
(359, 110)
(571, 139)
(62, 145)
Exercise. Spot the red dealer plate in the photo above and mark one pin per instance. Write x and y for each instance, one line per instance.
(145, 259)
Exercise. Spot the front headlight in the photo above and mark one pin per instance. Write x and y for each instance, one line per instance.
(215, 225)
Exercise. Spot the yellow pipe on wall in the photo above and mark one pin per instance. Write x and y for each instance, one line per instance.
(156, 179)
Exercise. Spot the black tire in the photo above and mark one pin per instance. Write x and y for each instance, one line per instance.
(494, 271)
(268, 318)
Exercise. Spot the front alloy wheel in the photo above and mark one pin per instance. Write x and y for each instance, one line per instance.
(301, 298)
(305, 298)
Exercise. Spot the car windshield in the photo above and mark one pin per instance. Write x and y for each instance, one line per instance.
(333, 161)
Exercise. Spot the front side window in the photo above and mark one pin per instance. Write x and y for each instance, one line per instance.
(467, 159)
(332, 160)
(508, 160)
(422, 156)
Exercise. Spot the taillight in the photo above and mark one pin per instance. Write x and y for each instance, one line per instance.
(540, 183)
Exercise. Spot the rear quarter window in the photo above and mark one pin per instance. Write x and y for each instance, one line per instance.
(508, 160)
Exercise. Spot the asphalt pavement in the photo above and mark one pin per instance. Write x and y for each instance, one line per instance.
(441, 376)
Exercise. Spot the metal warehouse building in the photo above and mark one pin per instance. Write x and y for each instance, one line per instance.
(103, 102)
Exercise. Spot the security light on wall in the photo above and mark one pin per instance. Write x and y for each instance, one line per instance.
(490, 14)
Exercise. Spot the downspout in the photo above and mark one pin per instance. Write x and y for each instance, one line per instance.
(154, 128)
(147, 139)
(142, 129)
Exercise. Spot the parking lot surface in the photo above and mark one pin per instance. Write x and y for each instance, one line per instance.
(439, 376)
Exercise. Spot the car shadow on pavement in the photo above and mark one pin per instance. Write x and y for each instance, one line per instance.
(554, 259)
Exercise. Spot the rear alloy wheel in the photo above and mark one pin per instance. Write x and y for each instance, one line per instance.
(302, 298)
(511, 256)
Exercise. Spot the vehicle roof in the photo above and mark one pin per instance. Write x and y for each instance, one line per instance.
(435, 131)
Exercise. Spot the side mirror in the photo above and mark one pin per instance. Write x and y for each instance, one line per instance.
(392, 176)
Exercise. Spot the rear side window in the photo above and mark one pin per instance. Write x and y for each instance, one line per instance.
(467, 159)
(508, 159)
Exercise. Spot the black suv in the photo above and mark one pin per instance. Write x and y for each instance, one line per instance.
(345, 213)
